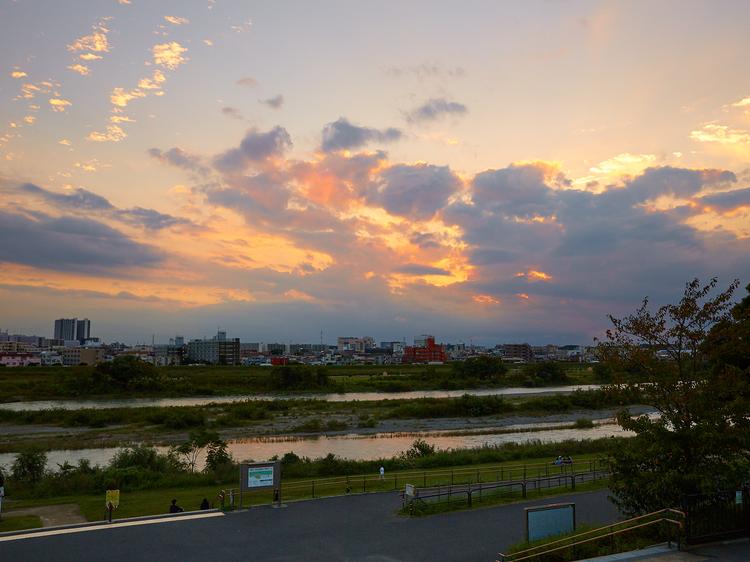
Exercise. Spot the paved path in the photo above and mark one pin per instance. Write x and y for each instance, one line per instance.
(355, 528)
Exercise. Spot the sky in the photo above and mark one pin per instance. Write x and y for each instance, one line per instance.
(486, 172)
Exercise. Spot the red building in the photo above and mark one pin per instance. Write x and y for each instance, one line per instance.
(429, 353)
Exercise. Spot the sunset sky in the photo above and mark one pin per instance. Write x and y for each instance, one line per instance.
(482, 171)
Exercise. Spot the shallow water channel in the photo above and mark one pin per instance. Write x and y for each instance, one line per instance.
(357, 447)
(351, 446)
(333, 397)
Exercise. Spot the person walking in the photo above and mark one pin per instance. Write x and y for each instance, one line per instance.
(382, 474)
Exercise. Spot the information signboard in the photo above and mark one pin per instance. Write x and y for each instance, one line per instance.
(260, 476)
(550, 520)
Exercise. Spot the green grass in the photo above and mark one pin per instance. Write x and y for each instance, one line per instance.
(19, 523)
(42, 383)
(156, 501)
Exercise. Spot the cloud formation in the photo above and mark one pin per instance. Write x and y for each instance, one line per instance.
(71, 244)
(255, 148)
(274, 103)
(435, 109)
(342, 135)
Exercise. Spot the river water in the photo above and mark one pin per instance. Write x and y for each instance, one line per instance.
(350, 446)
(356, 447)
(340, 397)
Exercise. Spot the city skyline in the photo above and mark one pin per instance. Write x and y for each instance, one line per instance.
(487, 172)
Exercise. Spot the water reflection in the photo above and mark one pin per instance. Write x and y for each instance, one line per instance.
(341, 397)
(357, 447)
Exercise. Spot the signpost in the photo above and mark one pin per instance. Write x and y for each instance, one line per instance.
(261, 476)
(112, 502)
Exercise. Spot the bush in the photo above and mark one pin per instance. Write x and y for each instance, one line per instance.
(29, 466)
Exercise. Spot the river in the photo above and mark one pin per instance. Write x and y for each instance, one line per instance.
(354, 446)
(350, 446)
(333, 397)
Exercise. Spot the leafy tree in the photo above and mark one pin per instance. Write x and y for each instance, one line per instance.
(197, 442)
(482, 367)
(217, 455)
(29, 465)
(128, 371)
(674, 359)
(545, 373)
(299, 377)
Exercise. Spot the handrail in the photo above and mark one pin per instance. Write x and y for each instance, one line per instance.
(513, 471)
(536, 551)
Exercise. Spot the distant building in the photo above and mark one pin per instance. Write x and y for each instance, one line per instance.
(170, 353)
(19, 359)
(217, 351)
(428, 353)
(72, 356)
(518, 351)
(73, 329)
(355, 344)
(421, 340)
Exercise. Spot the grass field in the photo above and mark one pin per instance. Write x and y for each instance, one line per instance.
(156, 502)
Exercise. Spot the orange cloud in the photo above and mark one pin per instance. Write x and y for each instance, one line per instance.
(169, 55)
(79, 68)
(96, 42)
(113, 134)
(120, 97)
(58, 104)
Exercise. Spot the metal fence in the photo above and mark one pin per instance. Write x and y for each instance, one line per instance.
(546, 474)
(467, 493)
(716, 516)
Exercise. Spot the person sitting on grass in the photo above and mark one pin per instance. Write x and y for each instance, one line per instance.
(174, 508)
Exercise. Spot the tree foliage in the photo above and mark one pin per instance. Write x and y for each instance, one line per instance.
(129, 372)
(199, 440)
(545, 373)
(29, 465)
(299, 377)
(483, 367)
(675, 360)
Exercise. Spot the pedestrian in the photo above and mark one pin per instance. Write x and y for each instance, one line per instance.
(382, 474)
(204, 504)
(174, 508)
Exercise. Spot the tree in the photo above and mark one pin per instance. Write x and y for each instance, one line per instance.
(29, 465)
(128, 371)
(482, 367)
(674, 361)
(199, 440)
(545, 373)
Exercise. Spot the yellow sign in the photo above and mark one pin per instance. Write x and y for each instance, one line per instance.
(113, 497)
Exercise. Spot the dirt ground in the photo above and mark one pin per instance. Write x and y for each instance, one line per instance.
(51, 515)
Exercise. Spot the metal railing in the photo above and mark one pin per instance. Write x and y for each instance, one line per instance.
(340, 485)
(599, 534)
(444, 493)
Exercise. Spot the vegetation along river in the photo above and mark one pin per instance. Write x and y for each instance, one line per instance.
(333, 397)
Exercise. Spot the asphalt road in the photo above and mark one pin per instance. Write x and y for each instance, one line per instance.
(355, 528)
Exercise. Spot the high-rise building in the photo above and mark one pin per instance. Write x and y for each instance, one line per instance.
(70, 329)
(83, 330)
(65, 328)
